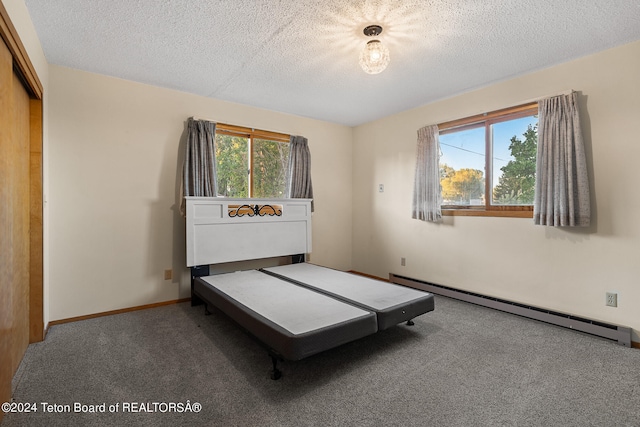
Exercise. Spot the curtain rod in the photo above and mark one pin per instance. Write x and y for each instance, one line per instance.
(566, 92)
(539, 98)
(219, 123)
(455, 123)
(231, 128)
(205, 119)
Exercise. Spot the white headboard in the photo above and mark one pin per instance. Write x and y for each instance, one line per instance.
(225, 230)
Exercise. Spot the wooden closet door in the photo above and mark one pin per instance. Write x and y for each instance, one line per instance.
(14, 221)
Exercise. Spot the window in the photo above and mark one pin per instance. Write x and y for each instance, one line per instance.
(250, 162)
(488, 163)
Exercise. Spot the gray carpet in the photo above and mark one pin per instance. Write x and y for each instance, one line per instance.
(461, 365)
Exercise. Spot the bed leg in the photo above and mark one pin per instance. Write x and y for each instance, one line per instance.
(275, 373)
(410, 322)
(206, 310)
(298, 258)
(197, 271)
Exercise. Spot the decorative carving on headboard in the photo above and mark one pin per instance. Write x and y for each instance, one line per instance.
(253, 210)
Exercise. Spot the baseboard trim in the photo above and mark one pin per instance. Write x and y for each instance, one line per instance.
(112, 312)
(370, 276)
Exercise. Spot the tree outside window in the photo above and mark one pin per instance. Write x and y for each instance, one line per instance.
(249, 165)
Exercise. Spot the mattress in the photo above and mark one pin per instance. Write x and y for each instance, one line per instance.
(294, 322)
(392, 303)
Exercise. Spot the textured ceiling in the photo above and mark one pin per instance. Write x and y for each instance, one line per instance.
(301, 56)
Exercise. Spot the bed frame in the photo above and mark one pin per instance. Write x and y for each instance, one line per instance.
(296, 310)
(291, 321)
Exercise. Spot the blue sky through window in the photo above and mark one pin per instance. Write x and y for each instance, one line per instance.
(466, 149)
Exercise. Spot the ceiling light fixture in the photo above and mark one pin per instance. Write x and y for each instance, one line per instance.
(374, 58)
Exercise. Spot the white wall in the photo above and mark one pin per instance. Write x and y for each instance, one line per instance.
(21, 20)
(115, 157)
(567, 270)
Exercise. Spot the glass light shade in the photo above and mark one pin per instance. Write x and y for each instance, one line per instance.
(374, 57)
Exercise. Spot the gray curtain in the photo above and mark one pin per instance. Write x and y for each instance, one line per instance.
(427, 198)
(199, 168)
(562, 185)
(299, 170)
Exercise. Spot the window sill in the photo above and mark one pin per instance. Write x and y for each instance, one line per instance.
(494, 213)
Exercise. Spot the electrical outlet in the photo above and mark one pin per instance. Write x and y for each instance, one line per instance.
(403, 261)
(168, 274)
(612, 299)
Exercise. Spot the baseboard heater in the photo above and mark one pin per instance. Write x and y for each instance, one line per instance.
(620, 334)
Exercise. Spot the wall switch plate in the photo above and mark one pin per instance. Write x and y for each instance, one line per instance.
(403, 261)
(612, 299)
(381, 188)
(168, 274)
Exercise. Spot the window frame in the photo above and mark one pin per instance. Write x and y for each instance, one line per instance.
(486, 120)
(251, 134)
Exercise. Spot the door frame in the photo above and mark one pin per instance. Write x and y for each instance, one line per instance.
(24, 67)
